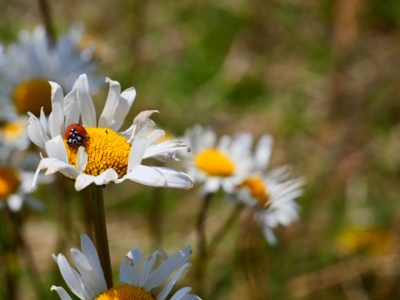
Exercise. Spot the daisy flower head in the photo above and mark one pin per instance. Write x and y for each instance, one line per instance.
(90, 151)
(27, 65)
(16, 179)
(270, 194)
(150, 279)
(219, 163)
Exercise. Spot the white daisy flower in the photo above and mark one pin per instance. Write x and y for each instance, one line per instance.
(222, 164)
(28, 65)
(139, 279)
(95, 152)
(271, 195)
(16, 180)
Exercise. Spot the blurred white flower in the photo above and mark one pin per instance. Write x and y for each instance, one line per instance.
(219, 164)
(151, 279)
(94, 152)
(27, 65)
(270, 194)
(16, 179)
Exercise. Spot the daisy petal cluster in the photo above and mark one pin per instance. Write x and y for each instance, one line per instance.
(91, 151)
(27, 65)
(150, 279)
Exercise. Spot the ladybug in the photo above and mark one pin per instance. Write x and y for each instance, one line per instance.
(75, 135)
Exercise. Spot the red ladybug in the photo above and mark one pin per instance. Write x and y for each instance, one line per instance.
(75, 135)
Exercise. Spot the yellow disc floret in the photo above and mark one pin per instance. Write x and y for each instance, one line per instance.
(257, 189)
(126, 292)
(32, 95)
(214, 163)
(105, 149)
(9, 182)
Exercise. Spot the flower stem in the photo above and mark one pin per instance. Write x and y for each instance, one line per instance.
(155, 217)
(219, 235)
(202, 243)
(47, 21)
(99, 231)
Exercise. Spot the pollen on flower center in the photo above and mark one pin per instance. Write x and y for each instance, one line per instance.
(214, 163)
(257, 189)
(105, 149)
(31, 95)
(9, 182)
(126, 292)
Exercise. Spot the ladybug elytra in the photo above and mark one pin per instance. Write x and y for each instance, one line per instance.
(75, 135)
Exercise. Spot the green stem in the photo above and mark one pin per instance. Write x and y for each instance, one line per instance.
(99, 232)
(200, 266)
(155, 217)
(219, 235)
(47, 21)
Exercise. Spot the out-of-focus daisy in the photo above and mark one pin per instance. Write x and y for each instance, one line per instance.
(270, 194)
(15, 181)
(95, 152)
(218, 164)
(14, 135)
(28, 65)
(151, 279)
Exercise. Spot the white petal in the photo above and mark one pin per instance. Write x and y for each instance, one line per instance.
(82, 159)
(72, 108)
(168, 288)
(15, 202)
(117, 106)
(157, 176)
(129, 272)
(147, 269)
(71, 277)
(170, 265)
(56, 122)
(136, 153)
(180, 293)
(165, 148)
(107, 176)
(55, 148)
(263, 152)
(83, 180)
(107, 116)
(88, 112)
(89, 250)
(36, 132)
(61, 292)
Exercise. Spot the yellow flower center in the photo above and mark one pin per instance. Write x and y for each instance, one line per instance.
(9, 182)
(31, 95)
(126, 292)
(257, 189)
(13, 130)
(105, 149)
(214, 163)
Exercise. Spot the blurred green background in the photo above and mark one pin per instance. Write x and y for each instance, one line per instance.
(321, 76)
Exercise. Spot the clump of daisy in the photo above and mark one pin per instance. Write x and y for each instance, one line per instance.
(150, 279)
(92, 151)
(27, 65)
(270, 194)
(217, 164)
